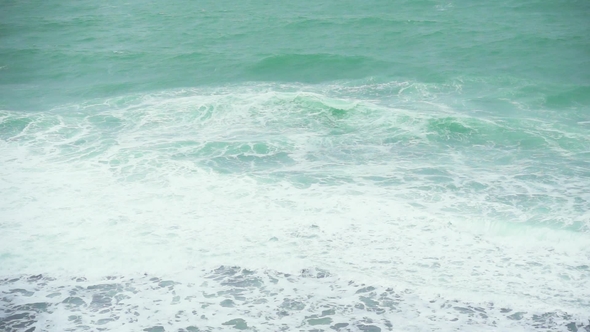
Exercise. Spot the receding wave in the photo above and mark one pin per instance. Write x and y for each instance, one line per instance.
(232, 297)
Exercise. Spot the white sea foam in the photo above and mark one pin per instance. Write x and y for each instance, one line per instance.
(282, 180)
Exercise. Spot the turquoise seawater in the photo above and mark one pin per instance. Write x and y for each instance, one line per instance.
(295, 166)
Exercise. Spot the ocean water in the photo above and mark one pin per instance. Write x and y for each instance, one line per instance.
(295, 166)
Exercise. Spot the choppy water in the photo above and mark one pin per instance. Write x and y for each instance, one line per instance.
(384, 166)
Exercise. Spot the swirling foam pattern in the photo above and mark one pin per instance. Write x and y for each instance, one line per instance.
(293, 207)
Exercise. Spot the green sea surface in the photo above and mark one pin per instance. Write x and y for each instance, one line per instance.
(345, 165)
(537, 52)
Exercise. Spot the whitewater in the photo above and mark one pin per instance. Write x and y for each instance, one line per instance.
(334, 166)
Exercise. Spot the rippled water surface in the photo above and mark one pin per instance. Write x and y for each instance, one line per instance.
(384, 166)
